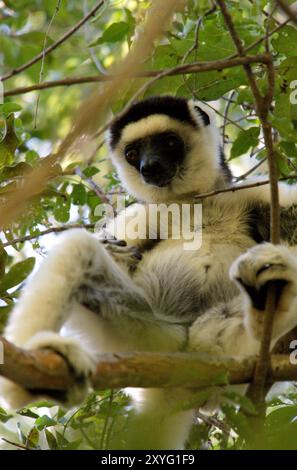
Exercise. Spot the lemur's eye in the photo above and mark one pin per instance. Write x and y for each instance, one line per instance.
(131, 155)
(172, 140)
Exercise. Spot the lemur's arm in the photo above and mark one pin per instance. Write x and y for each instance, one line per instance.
(128, 235)
(131, 225)
(235, 328)
(261, 194)
(46, 300)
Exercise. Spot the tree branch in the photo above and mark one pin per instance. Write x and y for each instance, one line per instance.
(53, 46)
(262, 103)
(195, 67)
(46, 370)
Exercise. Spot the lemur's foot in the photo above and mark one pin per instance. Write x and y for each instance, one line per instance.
(262, 266)
(121, 253)
(80, 361)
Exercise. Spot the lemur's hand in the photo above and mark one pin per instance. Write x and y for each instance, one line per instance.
(253, 272)
(121, 253)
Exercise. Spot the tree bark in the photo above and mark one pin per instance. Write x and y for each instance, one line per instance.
(47, 370)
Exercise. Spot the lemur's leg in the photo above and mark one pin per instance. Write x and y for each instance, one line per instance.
(77, 264)
(235, 328)
(79, 270)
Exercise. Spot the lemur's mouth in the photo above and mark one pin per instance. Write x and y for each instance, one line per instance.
(164, 183)
(158, 182)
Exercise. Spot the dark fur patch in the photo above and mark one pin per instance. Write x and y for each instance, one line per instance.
(259, 297)
(176, 108)
(258, 218)
(204, 116)
(224, 165)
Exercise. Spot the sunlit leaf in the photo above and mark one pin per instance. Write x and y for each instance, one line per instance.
(17, 274)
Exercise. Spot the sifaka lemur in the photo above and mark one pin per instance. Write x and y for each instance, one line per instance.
(97, 293)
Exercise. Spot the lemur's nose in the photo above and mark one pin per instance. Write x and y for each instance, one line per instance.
(151, 167)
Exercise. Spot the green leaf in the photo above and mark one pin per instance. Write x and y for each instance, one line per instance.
(196, 400)
(29, 413)
(79, 195)
(3, 260)
(4, 315)
(287, 36)
(281, 428)
(17, 274)
(237, 420)
(244, 402)
(93, 200)
(3, 130)
(33, 437)
(62, 209)
(51, 440)
(289, 148)
(44, 422)
(74, 445)
(245, 140)
(10, 143)
(213, 85)
(8, 108)
(91, 171)
(114, 33)
(32, 158)
(282, 416)
(4, 416)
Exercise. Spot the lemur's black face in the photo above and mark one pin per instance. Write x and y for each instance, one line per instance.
(156, 157)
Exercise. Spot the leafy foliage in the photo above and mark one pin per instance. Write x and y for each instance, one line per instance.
(31, 125)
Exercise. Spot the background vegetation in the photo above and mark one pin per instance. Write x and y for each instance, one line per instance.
(33, 123)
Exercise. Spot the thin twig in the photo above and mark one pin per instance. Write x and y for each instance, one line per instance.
(47, 232)
(15, 444)
(268, 15)
(104, 441)
(251, 170)
(94, 58)
(41, 73)
(213, 421)
(96, 188)
(226, 112)
(232, 189)
(230, 121)
(240, 50)
(262, 39)
(194, 46)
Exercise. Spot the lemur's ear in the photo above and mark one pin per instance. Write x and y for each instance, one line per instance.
(204, 116)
